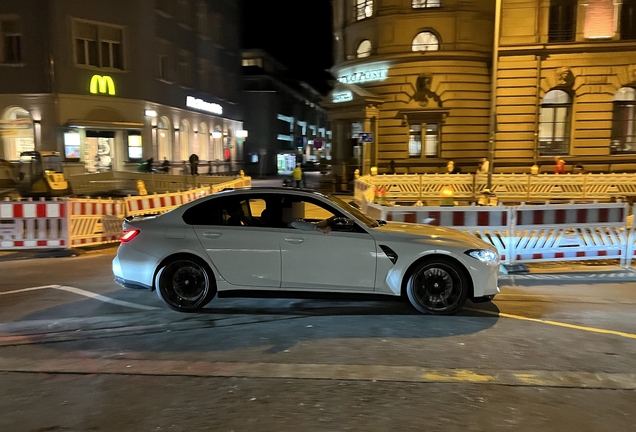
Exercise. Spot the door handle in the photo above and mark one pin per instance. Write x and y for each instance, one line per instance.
(294, 240)
(212, 234)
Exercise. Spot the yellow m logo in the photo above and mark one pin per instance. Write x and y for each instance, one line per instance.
(104, 84)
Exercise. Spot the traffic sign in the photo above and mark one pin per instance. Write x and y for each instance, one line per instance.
(366, 137)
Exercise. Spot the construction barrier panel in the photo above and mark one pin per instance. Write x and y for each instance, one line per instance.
(74, 222)
(94, 221)
(33, 225)
(507, 187)
(570, 232)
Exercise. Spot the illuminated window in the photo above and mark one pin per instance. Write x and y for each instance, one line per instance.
(135, 149)
(426, 3)
(628, 20)
(562, 27)
(431, 140)
(623, 125)
(415, 141)
(426, 41)
(98, 45)
(363, 9)
(554, 123)
(364, 49)
(11, 48)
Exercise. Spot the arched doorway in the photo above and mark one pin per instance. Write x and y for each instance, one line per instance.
(184, 140)
(204, 142)
(164, 139)
(16, 129)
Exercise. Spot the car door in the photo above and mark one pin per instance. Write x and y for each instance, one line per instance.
(244, 250)
(313, 260)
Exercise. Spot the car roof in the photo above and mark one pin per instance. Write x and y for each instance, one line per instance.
(271, 189)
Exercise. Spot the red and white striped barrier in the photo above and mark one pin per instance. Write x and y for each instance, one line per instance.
(157, 204)
(33, 225)
(94, 221)
(570, 232)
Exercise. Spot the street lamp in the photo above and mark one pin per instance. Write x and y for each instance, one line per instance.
(493, 94)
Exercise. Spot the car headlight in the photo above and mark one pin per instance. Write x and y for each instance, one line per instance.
(484, 255)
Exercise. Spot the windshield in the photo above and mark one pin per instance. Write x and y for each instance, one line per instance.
(371, 223)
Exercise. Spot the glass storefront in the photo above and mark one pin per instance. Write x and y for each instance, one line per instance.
(16, 130)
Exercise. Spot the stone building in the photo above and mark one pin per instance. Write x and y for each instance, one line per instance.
(418, 76)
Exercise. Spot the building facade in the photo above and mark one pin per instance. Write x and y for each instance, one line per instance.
(415, 74)
(418, 75)
(110, 84)
(286, 123)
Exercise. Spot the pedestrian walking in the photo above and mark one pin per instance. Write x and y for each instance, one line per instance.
(194, 164)
(297, 175)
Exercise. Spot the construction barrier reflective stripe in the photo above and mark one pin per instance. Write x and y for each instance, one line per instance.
(33, 225)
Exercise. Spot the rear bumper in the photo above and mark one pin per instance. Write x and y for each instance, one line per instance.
(132, 285)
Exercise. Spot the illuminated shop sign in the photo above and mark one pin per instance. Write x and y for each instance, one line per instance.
(342, 96)
(102, 84)
(364, 76)
(202, 105)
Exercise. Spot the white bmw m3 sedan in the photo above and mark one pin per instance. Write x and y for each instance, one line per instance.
(293, 242)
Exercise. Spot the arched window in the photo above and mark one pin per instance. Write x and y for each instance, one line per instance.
(623, 131)
(554, 123)
(204, 142)
(184, 140)
(18, 127)
(364, 49)
(426, 41)
(363, 9)
(164, 139)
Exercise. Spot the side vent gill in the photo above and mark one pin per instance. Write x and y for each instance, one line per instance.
(390, 253)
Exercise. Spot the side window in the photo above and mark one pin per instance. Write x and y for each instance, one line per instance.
(206, 213)
(299, 209)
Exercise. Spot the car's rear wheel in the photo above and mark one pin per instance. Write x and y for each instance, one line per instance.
(185, 284)
(437, 287)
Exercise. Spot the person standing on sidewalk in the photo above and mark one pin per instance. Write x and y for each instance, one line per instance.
(194, 164)
(297, 175)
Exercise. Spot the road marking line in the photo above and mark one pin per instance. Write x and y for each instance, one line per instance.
(102, 298)
(557, 323)
(28, 289)
(337, 372)
(83, 293)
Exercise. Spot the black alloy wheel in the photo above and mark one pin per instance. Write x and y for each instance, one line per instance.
(437, 288)
(185, 285)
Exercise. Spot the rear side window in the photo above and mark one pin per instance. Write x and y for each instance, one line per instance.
(206, 213)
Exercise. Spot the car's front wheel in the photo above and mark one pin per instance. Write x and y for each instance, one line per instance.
(437, 287)
(185, 284)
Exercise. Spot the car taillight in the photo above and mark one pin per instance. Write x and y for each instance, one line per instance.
(128, 235)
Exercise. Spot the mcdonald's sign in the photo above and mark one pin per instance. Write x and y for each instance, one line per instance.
(102, 84)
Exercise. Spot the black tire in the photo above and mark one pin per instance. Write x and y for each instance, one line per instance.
(437, 287)
(185, 284)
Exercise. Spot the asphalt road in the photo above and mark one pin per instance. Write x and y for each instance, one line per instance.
(77, 353)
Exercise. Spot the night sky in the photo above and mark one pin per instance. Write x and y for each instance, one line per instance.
(298, 33)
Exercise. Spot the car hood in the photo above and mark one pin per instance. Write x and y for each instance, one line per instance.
(434, 233)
